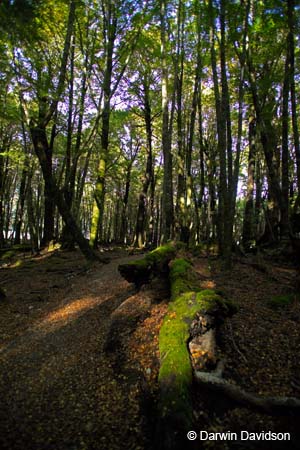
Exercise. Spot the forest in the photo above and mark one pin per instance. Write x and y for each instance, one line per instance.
(149, 223)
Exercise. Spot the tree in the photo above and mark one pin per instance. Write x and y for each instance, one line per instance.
(167, 127)
(205, 91)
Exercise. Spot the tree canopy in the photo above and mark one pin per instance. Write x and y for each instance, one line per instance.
(137, 122)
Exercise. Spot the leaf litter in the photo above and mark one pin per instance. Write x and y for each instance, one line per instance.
(59, 389)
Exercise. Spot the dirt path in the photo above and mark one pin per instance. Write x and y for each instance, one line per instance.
(58, 389)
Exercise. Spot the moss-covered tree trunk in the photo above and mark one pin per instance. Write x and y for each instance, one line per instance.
(188, 303)
(156, 262)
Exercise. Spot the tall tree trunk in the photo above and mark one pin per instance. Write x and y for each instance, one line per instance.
(48, 199)
(140, 235)
(1, 200)
(66, 238)
(221, 116)
(20, 207)
(291, 44)
(42, 148)
(32, 222)
(226, 141)
(189, 180)
(258, 193)
(123, 232)
(181, 157)
(110, 32)
(40, 142)
(167, 195)
(269, 143)
(263, 108)
(241, 89)
(248, 224)
(39, 133)
(284, 220)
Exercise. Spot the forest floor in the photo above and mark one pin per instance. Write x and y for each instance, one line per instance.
(60, 389)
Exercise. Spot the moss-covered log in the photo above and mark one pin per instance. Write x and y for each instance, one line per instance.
(188, 304)
(154, 263)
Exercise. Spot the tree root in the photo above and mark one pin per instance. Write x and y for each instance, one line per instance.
(274, 406)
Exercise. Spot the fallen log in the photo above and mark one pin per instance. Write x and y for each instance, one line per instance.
(275, 406)
(154, 263)
(190, 309)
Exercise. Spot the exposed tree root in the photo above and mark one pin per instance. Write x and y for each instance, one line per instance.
(275, 406)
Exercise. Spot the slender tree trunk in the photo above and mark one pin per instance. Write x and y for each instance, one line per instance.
(258, 193)
(181, 157)
(86, 73)
(66, 238)
(1, 201)
(201, 150)
(10, 193)
(269, 144)
(39, 143)
(41, 147)
(249, 217)
(291, 44)
(20, 207)
(284, 220)
(140, 235)
(123, 232)
(226, 141)
(167, 196)
(189, 180)
(68, 192)
(97, 217)
(38, 131)
(222, 132)
(242, 59)
(32, 222)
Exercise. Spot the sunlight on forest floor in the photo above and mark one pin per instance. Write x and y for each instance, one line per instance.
(64, 315)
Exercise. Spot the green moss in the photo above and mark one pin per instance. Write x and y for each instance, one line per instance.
(161, 253)
(182, 277)
(173, 337)
(155, 257)
(175, 375)
(180, 268)
(187, 301)
(139, 271)
(208, 300)
(280, 301)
